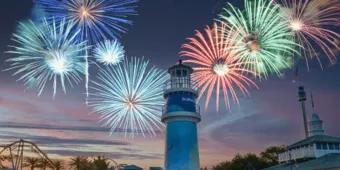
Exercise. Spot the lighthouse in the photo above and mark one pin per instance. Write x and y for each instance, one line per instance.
(181, 115)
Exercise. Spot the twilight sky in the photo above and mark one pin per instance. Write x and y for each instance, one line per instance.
(64, 126)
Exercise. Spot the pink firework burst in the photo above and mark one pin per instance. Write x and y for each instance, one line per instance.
(314, 24)
(217, 69)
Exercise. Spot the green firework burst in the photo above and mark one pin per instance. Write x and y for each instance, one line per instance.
(263, 36)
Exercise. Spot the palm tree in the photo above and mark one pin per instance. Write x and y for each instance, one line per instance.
(2, 159)
(80, 163)
(100, 163)
(58, 165)
(43, 163)
(31, 163)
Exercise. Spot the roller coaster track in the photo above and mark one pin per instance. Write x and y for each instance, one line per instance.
(21, 149)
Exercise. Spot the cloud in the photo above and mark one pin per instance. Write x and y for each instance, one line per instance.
(42, 140)
(48, 140)
(253, 131)
(113, 155)
(107, 130)
(14, 125)
(130, 150)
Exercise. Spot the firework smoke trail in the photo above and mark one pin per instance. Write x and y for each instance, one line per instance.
(312, 22)
(129, 97)
(263, 36)
(109, 52)
(216, 66)
(47, 52)
(97, 19)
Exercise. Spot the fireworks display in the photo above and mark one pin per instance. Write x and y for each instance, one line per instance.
(264, 39)
(216, 65)
(96, 19)
(129, 97)
(109, 52)
(311, 21)
(48, 52)
(260, 40)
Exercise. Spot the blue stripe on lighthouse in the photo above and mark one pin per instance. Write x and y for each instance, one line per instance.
(181, 101)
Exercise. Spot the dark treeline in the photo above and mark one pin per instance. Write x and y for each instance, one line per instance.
(76, 163)
(251, 161)
(248, 161)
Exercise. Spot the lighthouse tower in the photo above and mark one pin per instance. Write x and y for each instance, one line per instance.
(181, 116)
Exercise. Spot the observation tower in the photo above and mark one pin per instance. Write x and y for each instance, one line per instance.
(302, 100)
(181, 115)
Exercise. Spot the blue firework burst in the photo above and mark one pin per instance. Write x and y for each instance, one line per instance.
(109, 52)
(47, 53)
(97, 19)
(129, 97)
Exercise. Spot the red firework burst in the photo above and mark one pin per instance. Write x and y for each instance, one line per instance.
(312, 22)
(216, 67)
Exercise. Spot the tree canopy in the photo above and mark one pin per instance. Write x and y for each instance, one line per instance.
(251, 161)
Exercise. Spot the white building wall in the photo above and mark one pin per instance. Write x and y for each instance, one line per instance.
(305, 152)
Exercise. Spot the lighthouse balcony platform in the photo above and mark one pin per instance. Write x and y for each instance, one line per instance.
(182, 113)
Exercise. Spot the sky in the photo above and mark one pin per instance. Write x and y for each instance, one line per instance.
(64, 126)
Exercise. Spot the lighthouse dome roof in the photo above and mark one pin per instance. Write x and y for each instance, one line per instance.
(315, 117)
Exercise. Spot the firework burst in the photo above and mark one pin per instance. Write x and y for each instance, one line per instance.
(129, 96)
(96, 19)
(47, 53)
(109, 52)
(217, 67)
(263, 36)
(312, 22)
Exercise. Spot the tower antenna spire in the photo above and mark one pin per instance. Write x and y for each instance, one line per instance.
(302, 100)
(312, 102)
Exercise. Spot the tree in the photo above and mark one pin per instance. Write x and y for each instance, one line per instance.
(100, 163)
(247, 162)
(43, 163)
(242, 162)
(271, 154)
(80, 163)
(31, 163)
(251, 161)
(58, 164)
(2, 159)
(222, 166)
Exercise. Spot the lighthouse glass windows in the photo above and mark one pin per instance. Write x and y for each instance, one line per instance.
(180, 78)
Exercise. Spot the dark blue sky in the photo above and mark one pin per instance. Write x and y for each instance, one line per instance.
(270, 116)
(158, 31)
